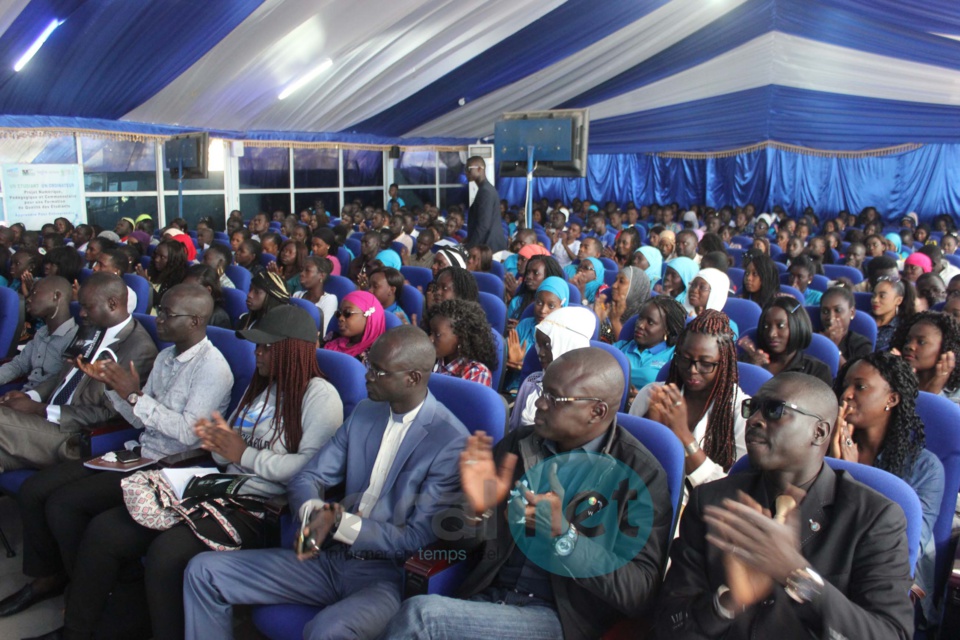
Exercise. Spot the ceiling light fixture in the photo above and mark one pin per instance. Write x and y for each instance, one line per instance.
(310, 75)
(32, 51)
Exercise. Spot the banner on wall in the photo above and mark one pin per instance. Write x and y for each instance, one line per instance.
(35, 194)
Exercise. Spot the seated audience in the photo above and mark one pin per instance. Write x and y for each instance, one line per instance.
(837, 310)
(24, 267)
(630, 290)
(42, 357)
(360, 321)
(448, 257)
(323, 244)
(267, 290)
(506, 594)
(801, 272)
(738, 573)
(677, 276)
(248, 256)
(386, 283)
(449, 283)
(463, 341)
(218, 257)
(315, 272)
(115, 261)
(589, 279)
(204, 276)
(589, 248)
(952, 305)
(651, 261)
(356, 548)
(659, 323)
(423, 256)
(930, 342)
(709, 290)
(289, 264)
(168, 268)
(479, 258)
(62, 261)
(700, 399)
(915, 266)
(893, 302)
(931, 291)
(783, 332)
(359, 266)
(761, 279)
(567, 247)
(535, 270)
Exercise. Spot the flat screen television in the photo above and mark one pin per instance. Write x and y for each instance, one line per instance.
(558, 137)
(192, 149)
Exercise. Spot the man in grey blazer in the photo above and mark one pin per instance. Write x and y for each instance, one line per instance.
(483, 220)
(40, 428)
(397, 457)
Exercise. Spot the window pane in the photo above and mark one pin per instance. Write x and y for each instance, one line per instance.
(105, 212)
(454, 195)
(265, 168)
(196, 207)
(452, 165)
(417, 197)
(416, 167)
(118, 165)
(214, 171)
(61, 150)
(253, 203)
(315, 169)
(363, 169)
(373, 197)
(330, 201)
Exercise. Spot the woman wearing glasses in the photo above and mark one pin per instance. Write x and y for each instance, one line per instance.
(701, 399)
(360, 321)
(879, 426)
(783, 332)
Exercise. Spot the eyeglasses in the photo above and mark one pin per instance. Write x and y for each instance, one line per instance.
(702, 366)
(469, 169)
(771, 409)
(163, 314)
(378, 373)
(345, 314)
(554, 400)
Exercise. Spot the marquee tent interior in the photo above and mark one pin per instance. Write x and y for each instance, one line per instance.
(831, 104)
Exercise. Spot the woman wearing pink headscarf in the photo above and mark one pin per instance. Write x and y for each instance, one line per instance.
(360, 321)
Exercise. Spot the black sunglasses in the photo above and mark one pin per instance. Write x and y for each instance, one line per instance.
(771, 409)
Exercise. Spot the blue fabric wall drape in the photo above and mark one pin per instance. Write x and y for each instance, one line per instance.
(926, 180)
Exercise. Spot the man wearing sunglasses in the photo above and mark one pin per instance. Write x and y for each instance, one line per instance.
(832, 563)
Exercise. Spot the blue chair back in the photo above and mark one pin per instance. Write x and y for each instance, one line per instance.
(391, 321)
(489, 283)
(398, 247)
(737, 255)
(624, 366)
(145, 262)
(411, 301)
(609, 265)
(418, 276)
(495, 310)
(821, 348)
(11, 321)
(791, 291)
(353, 244)
(267, 258)
(775, 251)
(861, 300)
(347, 375)
(343, 257)
(310, 308)
(834, 271)
(862, 323)
(940, 418)
(143, 290)
(575, 297)
(626, 331)
(953, 259)
(339, 286)
(781, 266)
(239, 276)
(234, 303)
(543, 239)
(746, 313)
(882, 482)
(221, 237)
(819, 283)
(496, 268)
(500, 346)
(751, 378)
(239, 355)
(736, 278)
(84, 274)
(150, 324)
(743, 241)
(666, 448)
(477, 406)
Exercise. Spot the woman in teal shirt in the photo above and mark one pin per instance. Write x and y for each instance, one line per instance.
(659, 323)
(553, 293)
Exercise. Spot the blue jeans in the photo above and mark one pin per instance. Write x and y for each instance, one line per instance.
(495, 613)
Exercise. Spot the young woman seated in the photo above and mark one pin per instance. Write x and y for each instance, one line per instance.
(534, 270)
(630, 290)
(315, 273)
(677, 276)
(267, 291)
(930, 342)
(207, 278)
(837, 310)
(659, 323)
(761, 279)
(360, 321)
(589, 279)
(783, 332)
(289, 264)
(386, 284)
(168, 267)
(893, 302)
(463, 340)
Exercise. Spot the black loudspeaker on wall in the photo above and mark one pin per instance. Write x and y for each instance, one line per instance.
(394, 152)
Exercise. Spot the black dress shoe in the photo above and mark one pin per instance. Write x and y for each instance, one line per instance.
(24, 599)
(56, 634)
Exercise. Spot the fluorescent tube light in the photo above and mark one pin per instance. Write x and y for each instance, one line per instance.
(310, 75)
(32, 51)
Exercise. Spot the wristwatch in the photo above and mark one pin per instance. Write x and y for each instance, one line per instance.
(134, 397)
(803, 585)
(565, 544)
(721, 610)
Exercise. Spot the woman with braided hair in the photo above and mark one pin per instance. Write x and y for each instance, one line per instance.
(463, 340)
(929, 342)
(701, 399)
(879, 426)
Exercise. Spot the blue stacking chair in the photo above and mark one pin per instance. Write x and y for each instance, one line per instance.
(353, 244)
(347, 375)
(736, 278)
(11, 321)
(791, 291)
(862, 323)
(339, 286)
(239, 355)
(142, 288)
(624, 367)
(495, 310)
(746, 313)
(411, 301)
(150, 324)
(489, 282)
(418, 277)
(611, 269)
(267, 258)
(952, 258)
(234, 303)
(239, 276)
(834, 271)
(861, 300)
(882, 482)
(496, 374)
(391, 321)
(310, 308)
(221, 237)
(479, 408)
(496, 268)
(84, 274)
(737, 255)
(781, 266)
(343, 257)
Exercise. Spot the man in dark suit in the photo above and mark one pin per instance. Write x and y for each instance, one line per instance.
(483, 219)
(836, 566)
(540, 575)
(396, 458)
(40, 428)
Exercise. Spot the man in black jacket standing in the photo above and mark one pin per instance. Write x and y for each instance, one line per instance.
(483, 219)
(836, 566)
(571, 518)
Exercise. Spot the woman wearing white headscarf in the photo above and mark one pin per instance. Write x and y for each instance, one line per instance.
(709, 290)
(563, 330)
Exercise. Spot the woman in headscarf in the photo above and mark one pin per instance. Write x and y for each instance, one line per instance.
(389, 258)
(589, 279)
(709, 290)
(267, 290)
(630, 290)
(447, 257)
(895, 243)
(535, 271)
(360, 321)
(677, 276)
(562, 331)
(650, 260)
(667, 245)
(552, 294)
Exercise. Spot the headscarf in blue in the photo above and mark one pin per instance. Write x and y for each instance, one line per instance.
(558, 287)
(687, 269)
(590, 290)
(655, 258)
(389, 258)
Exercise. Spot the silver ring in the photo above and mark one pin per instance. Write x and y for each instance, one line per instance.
(849, 442)
(735, 551)
(678, 403)
(470, 462)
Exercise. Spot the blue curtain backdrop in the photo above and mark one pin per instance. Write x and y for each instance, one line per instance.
(926, 180)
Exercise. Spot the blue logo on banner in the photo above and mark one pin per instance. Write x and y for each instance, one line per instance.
(604, 499)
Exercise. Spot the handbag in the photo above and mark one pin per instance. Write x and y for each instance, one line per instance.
(152, 503)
